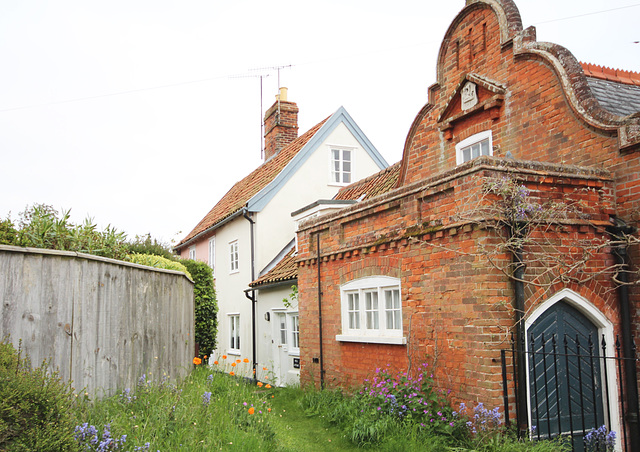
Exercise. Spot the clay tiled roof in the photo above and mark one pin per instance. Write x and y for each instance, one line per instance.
(285, 270)
(617, 91)
(372, 186)
(243, 191)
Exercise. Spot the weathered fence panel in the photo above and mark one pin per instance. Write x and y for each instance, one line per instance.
(102, 322)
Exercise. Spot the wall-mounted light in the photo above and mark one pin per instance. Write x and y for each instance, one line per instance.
(267, 316)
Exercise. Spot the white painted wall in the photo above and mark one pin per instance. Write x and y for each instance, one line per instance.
(277, 361)
(230, 286)
(311, 182)
(274, 228)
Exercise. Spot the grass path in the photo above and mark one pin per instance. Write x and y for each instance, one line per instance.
(296, 432)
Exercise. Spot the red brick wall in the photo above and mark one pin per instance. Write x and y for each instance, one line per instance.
(457, 307)
(536, 121)
(281, 127)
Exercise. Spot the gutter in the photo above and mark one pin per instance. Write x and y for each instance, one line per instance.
(222, 222)
(275, 284)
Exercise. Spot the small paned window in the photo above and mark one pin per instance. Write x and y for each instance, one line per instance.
(474, 146)
(371, 310)
(353, 309)
(234, 332)
(378, 318)
(341, 166)
(212, 255)
(282, 325)
(295, 331)
(233, 257)
(192, 253)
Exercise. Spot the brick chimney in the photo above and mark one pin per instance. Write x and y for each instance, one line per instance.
(280, 125)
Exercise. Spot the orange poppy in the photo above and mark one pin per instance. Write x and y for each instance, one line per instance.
(264, 368)
(251, 410)
(238, 360)
(260, 384)
(224, 356)
(197, 361)
(205, 357)
(246, 360)
(232, 373)
(269, 410)
(268, 386)
(215, 362)
(233, 364)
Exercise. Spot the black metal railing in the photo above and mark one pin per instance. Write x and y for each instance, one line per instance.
(568, 390)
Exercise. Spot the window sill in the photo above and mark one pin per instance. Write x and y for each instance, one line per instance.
(399, 340)
(234, 352)
(295, 353)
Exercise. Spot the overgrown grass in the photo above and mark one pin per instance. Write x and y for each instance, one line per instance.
(207, 411)
(213, 410)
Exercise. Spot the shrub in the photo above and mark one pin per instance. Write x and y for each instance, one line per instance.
(8, 232)
(35, 406)
(41, 226)
(206, 305)
(151, 260)
(147, 245)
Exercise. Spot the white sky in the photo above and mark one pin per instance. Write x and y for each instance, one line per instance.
(124, 110)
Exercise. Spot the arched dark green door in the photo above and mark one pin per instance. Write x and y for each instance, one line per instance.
(565, 374)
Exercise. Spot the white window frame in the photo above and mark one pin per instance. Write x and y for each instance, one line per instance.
(212, 255)
(234, 333)
(282, 334)
(363, 300)
(234, 257)
(340, 173)
(472, 140)
(192, 252)
(293, 325)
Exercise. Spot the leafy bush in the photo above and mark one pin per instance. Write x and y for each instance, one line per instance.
(35, 406)
(8, 232)
(147, 245)
(151, 260)
(41, 226)
(205, 304)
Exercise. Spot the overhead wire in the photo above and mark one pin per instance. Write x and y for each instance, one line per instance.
(249, 73)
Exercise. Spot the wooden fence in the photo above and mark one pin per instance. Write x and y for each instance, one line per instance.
(102, 322)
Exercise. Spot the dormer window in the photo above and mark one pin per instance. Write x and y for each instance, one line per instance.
(474, 146)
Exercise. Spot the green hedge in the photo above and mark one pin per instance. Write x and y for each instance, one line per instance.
(151, 260)
(206, 305)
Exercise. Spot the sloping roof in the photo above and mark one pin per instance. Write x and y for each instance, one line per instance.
(617, 91)
(371, 186)
(285, 270)
(236, 198)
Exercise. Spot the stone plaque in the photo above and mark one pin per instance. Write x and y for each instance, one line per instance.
(469, 95)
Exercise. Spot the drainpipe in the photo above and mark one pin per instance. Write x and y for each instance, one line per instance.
(630, 370)
(521, 396)
(253, 299)
(320, 313)
(521, 369)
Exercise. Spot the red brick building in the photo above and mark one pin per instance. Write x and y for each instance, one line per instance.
(511, 215)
